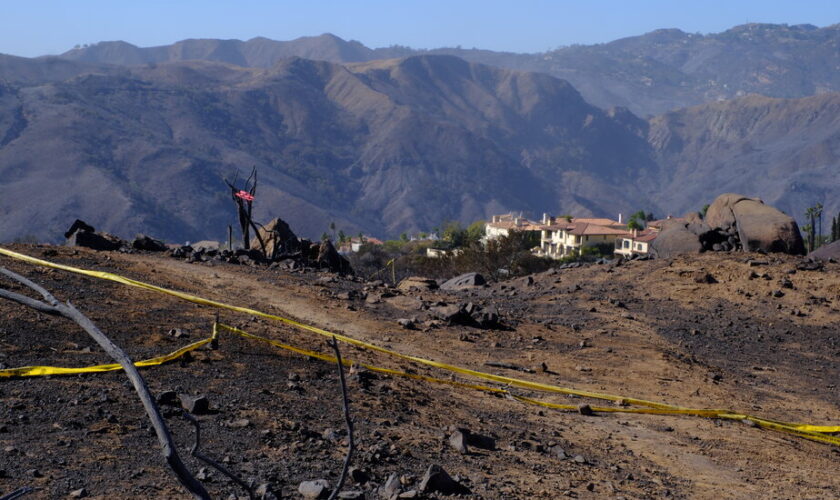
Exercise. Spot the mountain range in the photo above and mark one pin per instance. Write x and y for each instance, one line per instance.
(383, 141)
(649, 74)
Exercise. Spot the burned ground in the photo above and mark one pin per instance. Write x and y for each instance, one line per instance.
(659, 330)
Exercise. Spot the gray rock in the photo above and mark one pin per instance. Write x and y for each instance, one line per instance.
(464, 281)
(674, 240)
(80, 493)
(438, 480)
(417, 283)
(319, 488)
(197, 405)
(458, 441)
(391, 487)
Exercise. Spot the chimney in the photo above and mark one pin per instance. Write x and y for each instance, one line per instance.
(619, 218)
(635, 233)
(545, 218)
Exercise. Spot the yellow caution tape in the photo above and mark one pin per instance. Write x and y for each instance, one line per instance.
(816, 433)
(39, 371)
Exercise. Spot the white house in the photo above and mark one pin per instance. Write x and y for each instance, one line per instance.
(637, 243)
(502, 225)
(565, 237)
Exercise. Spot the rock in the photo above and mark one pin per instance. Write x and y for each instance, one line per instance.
(329, 258)
(143, 242)
(826, 252)
(705, 278)
(316, 489)
(177, 333)
(720, 214)
(558, 453)
(167, 398)
(464, 281)
(197, 405)
(406, 323)
(95, 241)
(391, 487)
(239, 423)
(279, 239)
(675, 239)
(80, 493)
(77, 225)
(206, 245)
(458, 441)
(437, 480)
(358, 476)
(762, 227)
(451, 313)
(586, 410)
(417, 283)
(352, 495)
(265, 492)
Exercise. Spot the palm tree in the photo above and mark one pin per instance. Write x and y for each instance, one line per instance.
(811, 214)
(807, 230)
(818, 210)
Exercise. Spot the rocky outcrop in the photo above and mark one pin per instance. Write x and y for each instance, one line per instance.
(329, 258)
(732, 222)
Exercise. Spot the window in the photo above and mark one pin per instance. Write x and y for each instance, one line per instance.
(626, 244)
(638, 246)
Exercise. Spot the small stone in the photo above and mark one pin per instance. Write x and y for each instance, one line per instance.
(197, 405)
(406, 323)
(409, 494)
(358, 476)
(585, 410)
(778, 293)
(579, 459)
(558, 452)
(239, 423)
(178, 333)
(80, 493)
(167, 398)
(265, 492)
(352, 495)
(391, 487)
(458, 441)
(316, 489)
(437, 480)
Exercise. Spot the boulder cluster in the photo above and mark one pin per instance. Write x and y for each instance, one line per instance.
(732, 222)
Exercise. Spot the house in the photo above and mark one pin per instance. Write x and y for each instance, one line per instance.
(565, 237)
(502, 225)
(436, 253)
(637, 243)
(353, 245)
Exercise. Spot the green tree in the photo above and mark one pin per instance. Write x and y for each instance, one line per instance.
(341, 236)
(475, 232)
(454, 234)
(325, 236)
(404, 237)
(704, 210)
(332, 228)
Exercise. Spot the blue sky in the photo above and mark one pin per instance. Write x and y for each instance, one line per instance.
(37, 27)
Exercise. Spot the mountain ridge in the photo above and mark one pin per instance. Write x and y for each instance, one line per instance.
(650, 74)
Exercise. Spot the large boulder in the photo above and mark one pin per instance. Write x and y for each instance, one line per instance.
(675, 239)
(464, 281)
(279, 239)
(762, 227)
(720, 214)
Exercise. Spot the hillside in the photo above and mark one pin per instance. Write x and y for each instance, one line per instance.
(649, 74)
(785, 150)
(646, 329)
(380, 147)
